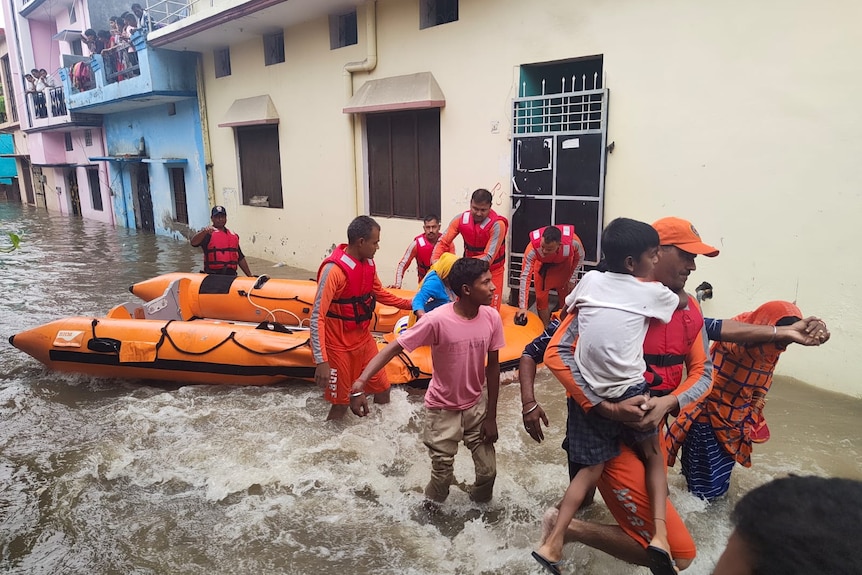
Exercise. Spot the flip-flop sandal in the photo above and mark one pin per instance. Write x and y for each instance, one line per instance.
(550, 566)
(660, 562)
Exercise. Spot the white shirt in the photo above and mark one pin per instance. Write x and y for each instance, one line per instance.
(614, 311)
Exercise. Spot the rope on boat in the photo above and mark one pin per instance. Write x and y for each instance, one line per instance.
(414, 370)
(111, 345)
(231, 337)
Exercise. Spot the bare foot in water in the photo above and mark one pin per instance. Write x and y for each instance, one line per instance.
(549, 519)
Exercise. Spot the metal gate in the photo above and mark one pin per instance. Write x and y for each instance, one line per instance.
(558, 165)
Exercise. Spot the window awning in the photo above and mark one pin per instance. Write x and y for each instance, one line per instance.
(410, 92)
(253, 111)
(165, 161)
(67, 35)
(116, 159)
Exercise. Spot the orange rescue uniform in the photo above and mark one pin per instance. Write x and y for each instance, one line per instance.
(348, 351)
(557, 272)
(494, 250)
(623, 481)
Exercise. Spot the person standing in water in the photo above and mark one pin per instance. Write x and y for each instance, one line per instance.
(465, 339)
(222, 254)
(341, 341)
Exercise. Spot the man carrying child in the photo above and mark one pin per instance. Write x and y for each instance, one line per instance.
(613, 313)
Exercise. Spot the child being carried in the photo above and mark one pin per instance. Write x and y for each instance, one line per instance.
(613, 313)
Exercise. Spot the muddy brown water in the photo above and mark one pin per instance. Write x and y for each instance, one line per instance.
(116, 476)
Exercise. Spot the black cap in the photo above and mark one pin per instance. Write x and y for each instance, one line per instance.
(219, 211)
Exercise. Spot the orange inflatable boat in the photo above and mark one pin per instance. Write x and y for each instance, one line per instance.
(162, 340)
(288, 302)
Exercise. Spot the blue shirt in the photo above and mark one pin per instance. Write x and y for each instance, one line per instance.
(536, 348)
(432, 293)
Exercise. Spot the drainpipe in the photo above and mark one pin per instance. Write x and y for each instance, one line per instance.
(366, 65)
(205, 131)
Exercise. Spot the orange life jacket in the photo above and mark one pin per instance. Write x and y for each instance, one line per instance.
(355, 306)
(566, 248)
(666, 345)
(424, 249)
(476, 237)
(221, 253)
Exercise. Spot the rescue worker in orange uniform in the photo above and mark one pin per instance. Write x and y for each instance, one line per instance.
(552, 258)
(484, 234)
(420, 249)
(680, 342)
(341, 341)
(222, 254)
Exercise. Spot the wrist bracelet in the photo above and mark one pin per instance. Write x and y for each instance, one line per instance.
(531, 410)
(357, 393)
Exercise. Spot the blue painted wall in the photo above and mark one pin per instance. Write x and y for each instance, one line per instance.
(8, 169)
(165, 136)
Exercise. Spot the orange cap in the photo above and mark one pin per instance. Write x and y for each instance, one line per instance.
(682, 234)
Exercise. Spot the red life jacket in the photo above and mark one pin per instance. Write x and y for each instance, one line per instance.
(424, 249)
(221, 253)
(565, 250)
(355, 307)
(476, 237)
(666, 346)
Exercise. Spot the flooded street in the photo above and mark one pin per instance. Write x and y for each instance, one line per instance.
(118, 477)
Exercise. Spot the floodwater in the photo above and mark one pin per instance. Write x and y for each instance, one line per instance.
(114, 476)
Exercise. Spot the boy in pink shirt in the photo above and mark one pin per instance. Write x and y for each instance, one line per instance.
(457, 407)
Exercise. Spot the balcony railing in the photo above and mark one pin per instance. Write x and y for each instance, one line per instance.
(121, 62)
(48, 103)
(123, 77)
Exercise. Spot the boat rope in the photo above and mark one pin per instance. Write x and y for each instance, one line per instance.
(414, 370)
(244, 293)
(231, 337)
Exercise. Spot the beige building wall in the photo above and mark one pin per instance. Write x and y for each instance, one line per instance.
(740, 116)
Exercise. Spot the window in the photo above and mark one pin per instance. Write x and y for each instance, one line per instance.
(67, 136)
(7, 80)
(72, 16)
(222, 62)
(273, 49)
(77, 48)
(178, 185)
(95, 188)
(259, 165)
(342, 30)
(436, 12)
(88, 137)
(404, 163)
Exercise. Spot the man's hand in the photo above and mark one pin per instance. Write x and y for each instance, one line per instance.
(521, 314)
(321, 375)
(809, 331)
(655, 411)
(394, 286)
(488, 431)
(629, 411)
(533, 422)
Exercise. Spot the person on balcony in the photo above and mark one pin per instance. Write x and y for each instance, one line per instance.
(105, 38)
(131, 56)
(143, 17)
(94, 44)
(40, 109)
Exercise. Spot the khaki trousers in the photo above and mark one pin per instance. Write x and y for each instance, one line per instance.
(444, 430)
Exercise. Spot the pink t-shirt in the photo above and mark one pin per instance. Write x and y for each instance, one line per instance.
(459, 347)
